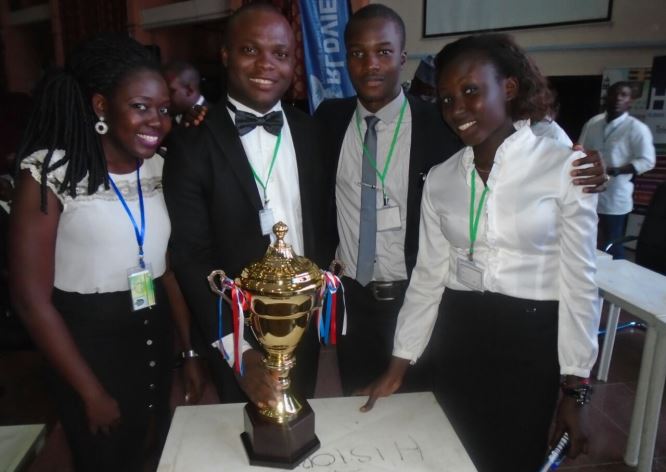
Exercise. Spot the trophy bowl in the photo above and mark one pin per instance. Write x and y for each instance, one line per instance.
(282, 291)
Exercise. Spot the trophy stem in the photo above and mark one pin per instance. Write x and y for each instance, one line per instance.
(287, 406)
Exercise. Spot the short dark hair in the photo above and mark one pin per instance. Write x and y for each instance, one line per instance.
(185, 70)
(618, 85)
(246, 8)
(63, 116)
(534, 99)
(376, 10)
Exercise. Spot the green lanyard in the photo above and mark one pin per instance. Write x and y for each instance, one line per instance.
(382, 175)
(474, 220)
(270, 169)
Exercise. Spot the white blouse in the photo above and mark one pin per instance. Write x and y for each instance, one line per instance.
(536, 240)
(96, 244)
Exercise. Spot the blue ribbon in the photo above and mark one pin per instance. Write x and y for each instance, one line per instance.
(139, 234)
(219, 326)
(326, 325)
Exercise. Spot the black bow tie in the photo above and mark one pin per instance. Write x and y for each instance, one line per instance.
(246, 122)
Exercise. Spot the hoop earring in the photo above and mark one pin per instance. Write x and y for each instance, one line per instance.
(101, 127)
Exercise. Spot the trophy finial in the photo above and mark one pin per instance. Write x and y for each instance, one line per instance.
(280, 230)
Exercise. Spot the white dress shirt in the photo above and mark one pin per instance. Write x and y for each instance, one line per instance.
(550, 129)
(625, 140)
(283, 190)
(390, 249)
(536, 240)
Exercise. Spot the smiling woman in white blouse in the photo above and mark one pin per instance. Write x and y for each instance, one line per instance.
(88, 253)
(507, 246)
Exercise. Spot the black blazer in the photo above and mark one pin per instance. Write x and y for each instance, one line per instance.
(214, 204)
(432, 142)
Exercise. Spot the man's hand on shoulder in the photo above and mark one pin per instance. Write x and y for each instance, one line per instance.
(257, 382)
(195, 115)
(594, 176)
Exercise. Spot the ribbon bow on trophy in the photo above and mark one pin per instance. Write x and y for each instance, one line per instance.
(246, 122)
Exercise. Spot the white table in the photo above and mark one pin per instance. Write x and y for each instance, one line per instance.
(642, 293)
(603, 256)
(18, 443)
(407, 432)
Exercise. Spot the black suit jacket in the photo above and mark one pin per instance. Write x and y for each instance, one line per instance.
(214, 204)
(432, 143)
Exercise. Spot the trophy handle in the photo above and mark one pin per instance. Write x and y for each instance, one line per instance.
(219, 290)
(213, 285)
(337, 267)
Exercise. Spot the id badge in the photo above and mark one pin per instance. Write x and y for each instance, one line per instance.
(388, 218)
(266, 220)
(470, 275)
(142, 289)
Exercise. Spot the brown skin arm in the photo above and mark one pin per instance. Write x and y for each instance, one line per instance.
(594, 178)
(571, 418)
(385, 385)
(32, 238)
(257, 382)
(180, 314)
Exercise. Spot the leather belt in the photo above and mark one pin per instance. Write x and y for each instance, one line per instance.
(387, 291)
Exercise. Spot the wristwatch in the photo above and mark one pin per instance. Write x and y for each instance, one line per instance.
(581, 392)
(189, 354)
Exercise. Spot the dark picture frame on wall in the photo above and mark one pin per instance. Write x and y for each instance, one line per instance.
(456, 17)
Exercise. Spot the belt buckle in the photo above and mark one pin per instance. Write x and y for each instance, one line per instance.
(375, 288)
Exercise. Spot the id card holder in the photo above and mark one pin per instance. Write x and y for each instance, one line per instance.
(388, 218)
(469, 274)
(142, 288)
(266, 220)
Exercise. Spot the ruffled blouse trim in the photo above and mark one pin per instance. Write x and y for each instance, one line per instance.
(151, 179)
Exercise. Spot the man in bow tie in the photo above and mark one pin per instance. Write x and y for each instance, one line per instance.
(253, 162)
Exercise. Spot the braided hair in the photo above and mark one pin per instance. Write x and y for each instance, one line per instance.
(534, 100)
(63, 116)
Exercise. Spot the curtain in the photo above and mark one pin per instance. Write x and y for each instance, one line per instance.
(82, 19)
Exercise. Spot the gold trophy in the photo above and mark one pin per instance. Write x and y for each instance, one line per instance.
(282, 291)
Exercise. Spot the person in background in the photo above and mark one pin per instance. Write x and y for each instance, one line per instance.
(251, 163)
(88, 253)
(423, 83)
(627, 148)
(507, 245)
(183, 80)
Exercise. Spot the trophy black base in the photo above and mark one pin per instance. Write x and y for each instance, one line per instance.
(282, 446)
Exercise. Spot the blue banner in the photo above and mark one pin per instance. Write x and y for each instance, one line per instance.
(323, 23)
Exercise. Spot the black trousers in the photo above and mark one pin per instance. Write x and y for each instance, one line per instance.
(131, 353)
(497, 376)
(365, 351)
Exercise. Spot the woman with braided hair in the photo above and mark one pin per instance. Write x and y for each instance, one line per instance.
(88, 240)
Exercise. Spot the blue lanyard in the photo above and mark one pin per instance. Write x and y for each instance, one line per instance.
(139, 234)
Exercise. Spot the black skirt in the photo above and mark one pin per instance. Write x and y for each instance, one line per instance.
(131, 353)
(496, 375)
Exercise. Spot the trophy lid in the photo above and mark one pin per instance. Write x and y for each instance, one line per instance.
(281, 273)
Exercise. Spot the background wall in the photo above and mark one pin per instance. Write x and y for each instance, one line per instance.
(636, 33)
